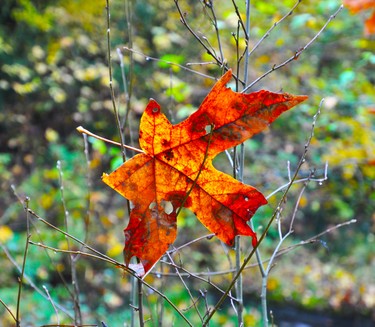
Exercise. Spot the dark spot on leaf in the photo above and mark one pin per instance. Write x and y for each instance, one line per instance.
(164, 142)
(200, 123)
(177, 198)
(169, 155)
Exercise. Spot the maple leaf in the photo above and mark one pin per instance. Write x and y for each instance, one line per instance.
(176, 170)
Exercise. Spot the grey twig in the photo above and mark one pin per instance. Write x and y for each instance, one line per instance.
(272, 27)
(296, 54)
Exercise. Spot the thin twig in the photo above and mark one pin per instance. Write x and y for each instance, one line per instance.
(282, 251)
(282, 200)
(72, 260)
(89, 187)
(120, 129)
(315, 238)
(53, 304)
(160, 304)
(247, 40)
(172, 63)
(127, 96)
(128, 89)
(240, 19)
(103, 257)
(187, 273)
(272, 27)
(297, 53)
(302, 180)
(213, 19)
(294, 214)
(239, 282)
(9, 310)
(194, 302)
(85, 131)
(115, 111)
(221, 63)
(282, 238)
(208, 236)
(21, 278)
(64, 282)
(140, 300)
(30, 282)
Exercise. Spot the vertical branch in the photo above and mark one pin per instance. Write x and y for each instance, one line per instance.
(210, 4)
(30, 284)
(160, 303)
(247, 39)
(20, 279)
(136, 284)
(239, 281)
(115, 111)
(240, 18)
(126, 121)
(194, 302)
(140, 301)
(89, 186)
(53, 304)
(128, 88)
(72, 259)
(133, 300)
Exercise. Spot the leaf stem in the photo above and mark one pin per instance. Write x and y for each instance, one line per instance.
(85, 131)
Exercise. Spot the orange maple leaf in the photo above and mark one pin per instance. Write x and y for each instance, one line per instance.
(176, 170)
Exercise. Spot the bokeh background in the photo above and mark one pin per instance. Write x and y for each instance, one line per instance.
(54, 77)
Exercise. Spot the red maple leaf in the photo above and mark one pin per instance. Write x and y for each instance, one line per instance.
(176, 170)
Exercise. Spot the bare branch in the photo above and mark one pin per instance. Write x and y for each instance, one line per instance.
(173, 63)
(273, 26)
(297, 53)
(85, 131)
(9, 310)
(282, 200)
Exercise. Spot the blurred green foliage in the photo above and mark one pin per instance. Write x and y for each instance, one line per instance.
(54, 77)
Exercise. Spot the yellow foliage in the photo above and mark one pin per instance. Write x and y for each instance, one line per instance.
(25, 88)
(51, 135)
(262, 60)
(303, 202)
(252, 318)
(5, 234)
(46, 201)
(115, 249)
(358, 148)
(273, 284)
